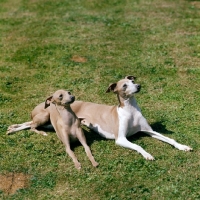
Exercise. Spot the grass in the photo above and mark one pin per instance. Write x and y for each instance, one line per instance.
(84, 46)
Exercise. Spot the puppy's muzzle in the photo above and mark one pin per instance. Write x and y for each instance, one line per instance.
(72, 99)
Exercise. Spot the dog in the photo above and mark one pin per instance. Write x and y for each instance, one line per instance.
(64, 121)
(119, 122)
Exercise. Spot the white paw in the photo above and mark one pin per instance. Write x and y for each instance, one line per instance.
(78, 165)
(43, 133)
(148, 156)
(10, 130)
(95, 164)
(184, 148)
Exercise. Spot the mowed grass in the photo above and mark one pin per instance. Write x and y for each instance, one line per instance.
(83, 46)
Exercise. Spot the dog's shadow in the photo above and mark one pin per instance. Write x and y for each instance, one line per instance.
(91, 137)
(160, 128)
(156, 126)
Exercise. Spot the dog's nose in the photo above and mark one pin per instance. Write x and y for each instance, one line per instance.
(73, 98)
(138, 86)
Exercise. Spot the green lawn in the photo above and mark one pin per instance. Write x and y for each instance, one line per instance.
(83, 46)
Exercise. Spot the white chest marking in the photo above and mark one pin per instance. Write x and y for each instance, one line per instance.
(129, 119)
(124, 121)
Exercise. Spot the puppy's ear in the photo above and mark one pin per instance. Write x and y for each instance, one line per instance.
(130, 78)
(48, 101)
(111, 87)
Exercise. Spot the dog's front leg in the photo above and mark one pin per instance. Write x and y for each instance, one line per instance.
(122, 141)
(63, 135)
(72, 155)
(81, 137)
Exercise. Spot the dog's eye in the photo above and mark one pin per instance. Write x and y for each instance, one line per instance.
(69, 93)
(133, 82)
(124, 86)
(60, 96)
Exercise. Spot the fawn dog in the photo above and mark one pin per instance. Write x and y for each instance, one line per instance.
(114, 122)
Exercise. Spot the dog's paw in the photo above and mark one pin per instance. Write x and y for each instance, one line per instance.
(184, 148)
(43, 133)
(10, 130)
(95, 164)
(148, 156)
(78, 165)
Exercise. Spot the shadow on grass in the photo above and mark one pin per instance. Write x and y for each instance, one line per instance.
(92, 136)
(160, 128)
(157, 126)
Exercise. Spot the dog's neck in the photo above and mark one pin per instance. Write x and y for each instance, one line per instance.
(127, 103)
(62, 107)
(66, 113)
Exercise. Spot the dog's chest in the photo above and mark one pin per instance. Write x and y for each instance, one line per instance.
(129, 120)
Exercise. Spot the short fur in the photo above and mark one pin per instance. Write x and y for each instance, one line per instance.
(117, 122)
(57, 109)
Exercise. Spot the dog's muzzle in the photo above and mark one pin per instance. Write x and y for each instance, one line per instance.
(138, 88)
(72, 99)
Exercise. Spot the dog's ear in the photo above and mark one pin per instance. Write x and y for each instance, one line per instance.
(130, 78)
(48, 101)
(111, 87)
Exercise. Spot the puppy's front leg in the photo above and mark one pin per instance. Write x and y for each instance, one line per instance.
(81, 137)
(64, 137)
(72, 155)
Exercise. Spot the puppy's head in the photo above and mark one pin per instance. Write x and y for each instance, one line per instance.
(60, 97)
(125, 88)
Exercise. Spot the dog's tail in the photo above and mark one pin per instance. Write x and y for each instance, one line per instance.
(18, 127)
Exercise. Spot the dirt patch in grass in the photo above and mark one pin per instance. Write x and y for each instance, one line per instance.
(196, 4)
(11, 182)
(78, 59)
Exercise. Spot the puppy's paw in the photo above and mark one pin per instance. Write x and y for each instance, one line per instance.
(148, 156)
(78, 165)
(95, 164)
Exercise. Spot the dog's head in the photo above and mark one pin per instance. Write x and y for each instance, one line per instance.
(60, 97)
(125, 88)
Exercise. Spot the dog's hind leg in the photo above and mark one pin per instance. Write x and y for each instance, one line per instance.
(18, 127)
(40, 120)
(161, 137)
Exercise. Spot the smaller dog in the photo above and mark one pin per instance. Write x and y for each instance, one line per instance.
(64, 121)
